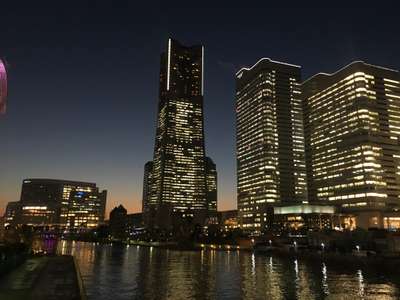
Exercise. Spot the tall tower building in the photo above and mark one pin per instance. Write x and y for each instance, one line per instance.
(147, 179)
(3, 88)
(269, 140)
(352, 132)
(179, 181)
(211, 182)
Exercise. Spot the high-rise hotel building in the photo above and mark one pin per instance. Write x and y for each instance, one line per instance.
(352, 133)
(178, 175)
(270, 142)
(3, 88)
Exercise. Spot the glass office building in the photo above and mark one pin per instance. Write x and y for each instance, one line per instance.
(63, 203)
(269, 141)
(352, 133)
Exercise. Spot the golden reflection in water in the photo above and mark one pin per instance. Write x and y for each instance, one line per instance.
(325, 286)
(273, 284)
(271, 266)
(253, 264)
(304, 289)
(119, 272)
(202, 258)
(296, 269)
(360, 283)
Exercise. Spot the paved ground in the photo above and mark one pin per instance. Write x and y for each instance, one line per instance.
(44, 278)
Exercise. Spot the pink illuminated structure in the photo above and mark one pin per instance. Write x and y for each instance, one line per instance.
(3, 88)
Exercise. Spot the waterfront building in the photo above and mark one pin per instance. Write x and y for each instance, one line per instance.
(178, 174)
(64, 203)
(3, 88)
(134, 223)
(228, 219)
(352, 134)
(37, 214)
(211, 182)
(118, 222)
(305, 217)
(11, 214)
(86, 209)
(269, 140)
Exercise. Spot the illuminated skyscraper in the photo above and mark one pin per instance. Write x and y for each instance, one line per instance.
(270, 141)
(352, 131)
(147, 179)
(3, 88)
(211, 180)
(179, 181)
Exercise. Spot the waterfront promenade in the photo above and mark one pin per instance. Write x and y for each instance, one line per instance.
(47, 278)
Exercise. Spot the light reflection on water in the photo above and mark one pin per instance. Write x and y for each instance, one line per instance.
(120, 272)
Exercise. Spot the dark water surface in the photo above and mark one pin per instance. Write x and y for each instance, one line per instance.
(120, 272)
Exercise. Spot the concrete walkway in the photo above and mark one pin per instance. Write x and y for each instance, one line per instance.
(47, 278)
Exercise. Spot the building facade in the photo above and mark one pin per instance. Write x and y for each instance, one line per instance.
(228, 219)
(12, 213)
(37, 214)
(305, 217)
(118, 223)
(269, 141)
(211, 182)
(3, 88)
(178, 174)
(352, 134)
(134, 224)
(147, 184)
(63, 203)
(86, 208)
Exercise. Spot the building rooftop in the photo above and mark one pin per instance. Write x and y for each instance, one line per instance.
(304, 209)
(59, 181)
(264, 59)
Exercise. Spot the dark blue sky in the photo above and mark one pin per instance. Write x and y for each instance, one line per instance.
(83, 77)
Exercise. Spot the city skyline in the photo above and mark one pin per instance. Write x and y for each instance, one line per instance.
(92, 110)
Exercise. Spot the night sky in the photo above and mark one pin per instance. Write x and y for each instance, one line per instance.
(83, 78)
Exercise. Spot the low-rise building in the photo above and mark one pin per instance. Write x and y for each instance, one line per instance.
(37, 215)
(134, 223)
(228, 219)
(117, 223)
(304, 217)
(11, 214)
(65, 204)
